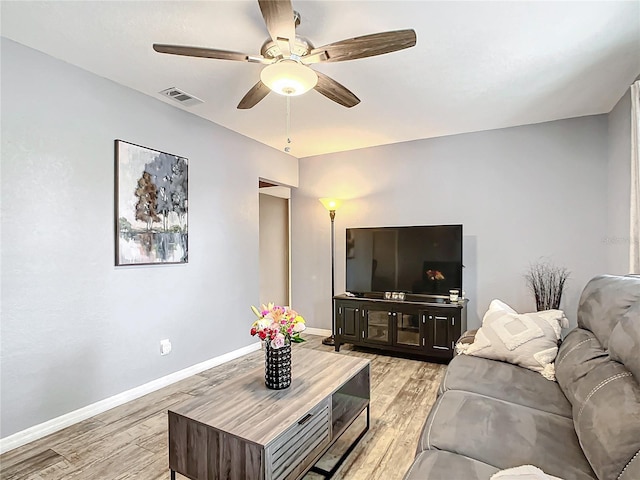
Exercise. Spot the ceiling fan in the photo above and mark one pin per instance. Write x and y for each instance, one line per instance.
(288, 57)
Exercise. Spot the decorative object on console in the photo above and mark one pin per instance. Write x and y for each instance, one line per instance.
(332, 204)
(277, 327)
(546, 282)
(529, 340)
(151, 206)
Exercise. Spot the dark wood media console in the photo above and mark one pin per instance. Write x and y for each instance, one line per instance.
(425, 325)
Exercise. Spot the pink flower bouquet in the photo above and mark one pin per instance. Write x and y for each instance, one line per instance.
(277, 325)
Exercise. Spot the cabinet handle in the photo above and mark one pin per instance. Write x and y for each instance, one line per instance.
(340, 310)
(340, 330)
(388, 313)
(424, 319)
(357, 310)
(453, 321)
(306, 418)
(363, 334)
(423, 342)
(452, 345)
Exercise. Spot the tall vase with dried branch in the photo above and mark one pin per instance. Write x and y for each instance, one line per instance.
(547, 282)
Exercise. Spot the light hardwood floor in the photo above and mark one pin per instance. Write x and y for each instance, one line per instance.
(130, 441)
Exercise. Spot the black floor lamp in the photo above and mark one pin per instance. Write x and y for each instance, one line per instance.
(332, 204)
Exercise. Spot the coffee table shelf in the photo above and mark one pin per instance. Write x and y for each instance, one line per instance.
(241, 430)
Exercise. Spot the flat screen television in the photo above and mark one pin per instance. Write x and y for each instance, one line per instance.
(417, 260)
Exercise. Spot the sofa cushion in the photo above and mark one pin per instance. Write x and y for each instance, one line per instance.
(529, 340)
(607, 418)
(624, 342)
(579, 353)
(504, 435)
(505, 382)
(604, 301)
(605, 398)
(632, 470)
(439, 465)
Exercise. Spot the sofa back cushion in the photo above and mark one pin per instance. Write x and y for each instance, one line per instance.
(624, 342)
(604, 301)
(603, 391)
(578, 355)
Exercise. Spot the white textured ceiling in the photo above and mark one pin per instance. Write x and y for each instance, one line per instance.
(476, 66)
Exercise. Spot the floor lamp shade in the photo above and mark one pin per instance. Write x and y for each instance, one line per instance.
(331, 203)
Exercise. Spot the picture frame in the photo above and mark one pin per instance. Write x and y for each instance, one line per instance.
(151, 206)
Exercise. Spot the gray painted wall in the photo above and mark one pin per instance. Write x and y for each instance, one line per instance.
(619, 186)
(521, 193)
(74, 328)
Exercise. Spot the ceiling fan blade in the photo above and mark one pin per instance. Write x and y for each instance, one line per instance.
(278, 16)
(253, 96)
(208, 53)
(317, 57)
(366, 46)
(331, 89)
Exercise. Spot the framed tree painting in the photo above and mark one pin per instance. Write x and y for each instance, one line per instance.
(151, 200)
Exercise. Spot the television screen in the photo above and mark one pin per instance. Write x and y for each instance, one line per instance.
(421, 259)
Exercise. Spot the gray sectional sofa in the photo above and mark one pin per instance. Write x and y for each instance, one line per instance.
(491, 415)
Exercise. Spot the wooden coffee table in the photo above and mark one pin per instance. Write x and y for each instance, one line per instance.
(241, 430)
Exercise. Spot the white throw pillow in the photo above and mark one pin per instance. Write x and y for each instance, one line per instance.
(528, 339)
(525, 472)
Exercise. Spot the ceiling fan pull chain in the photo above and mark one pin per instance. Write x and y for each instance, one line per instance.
(287, 148)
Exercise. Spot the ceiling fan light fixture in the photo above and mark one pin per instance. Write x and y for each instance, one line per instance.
(289, 77)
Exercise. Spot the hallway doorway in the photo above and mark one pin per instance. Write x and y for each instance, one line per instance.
(274, 243)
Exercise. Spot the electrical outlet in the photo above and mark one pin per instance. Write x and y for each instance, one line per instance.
(165, 347)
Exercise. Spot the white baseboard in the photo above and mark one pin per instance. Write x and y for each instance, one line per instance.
(46, 428)
(318, 331)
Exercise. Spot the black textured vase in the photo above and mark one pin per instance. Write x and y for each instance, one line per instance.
(277, 366)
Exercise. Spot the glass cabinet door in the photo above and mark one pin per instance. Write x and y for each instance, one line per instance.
(377, 326)
(408, 329)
